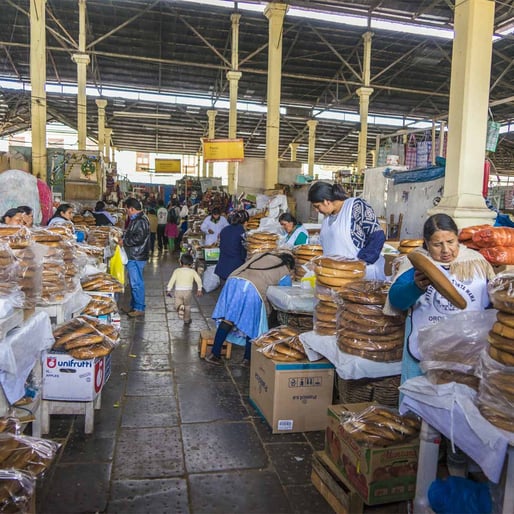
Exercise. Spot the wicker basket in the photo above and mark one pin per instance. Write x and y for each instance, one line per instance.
(303, 322)
(382, 390)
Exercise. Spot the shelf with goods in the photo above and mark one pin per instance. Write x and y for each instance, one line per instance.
(353, 183)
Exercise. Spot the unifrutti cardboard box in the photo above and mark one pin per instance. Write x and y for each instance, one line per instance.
(379, 475)
(68, 379)
(291, 396)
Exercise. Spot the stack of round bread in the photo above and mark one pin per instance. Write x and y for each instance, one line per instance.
(408, 245)
(496, 393)
(53, 280)
(255, 221)
(100, 306)
(336, 272)
(89, 221)
(363, 329)
(64, 230)
(258, 242)
(325, 313)
(381, 426)
(281, 344)
(9, 270)
(98, 236)
(85, 338)
(93, 252)
(15, 236)
(302, 255)
(29, 275)
(103, 282)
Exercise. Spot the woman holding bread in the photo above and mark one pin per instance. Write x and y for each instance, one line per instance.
(295, 232)
(242, 308)
(413, 291)
(350, 227)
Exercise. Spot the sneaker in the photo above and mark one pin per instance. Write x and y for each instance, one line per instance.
(180, 311)
(136, 314)
(212, 359)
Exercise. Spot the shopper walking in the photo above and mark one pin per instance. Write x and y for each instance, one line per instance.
(162, 218)
(136, 241)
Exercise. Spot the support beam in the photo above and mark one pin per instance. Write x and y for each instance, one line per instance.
(467, 118)
(312, 124)
(294, 149)
(275, 13)
(38, 93)
(211, 115)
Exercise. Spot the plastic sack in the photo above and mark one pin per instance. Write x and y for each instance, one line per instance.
(457, 494)
(18, 187)
(210, 280)
(124, 257)
(16, 490)
(116, 267)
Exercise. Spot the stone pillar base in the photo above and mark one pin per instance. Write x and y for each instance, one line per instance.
(466, 216)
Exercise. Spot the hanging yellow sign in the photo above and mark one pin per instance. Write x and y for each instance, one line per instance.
(168, 166)
(223, 150)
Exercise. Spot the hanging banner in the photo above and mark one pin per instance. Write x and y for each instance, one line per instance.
(168, 166)
(223, 150)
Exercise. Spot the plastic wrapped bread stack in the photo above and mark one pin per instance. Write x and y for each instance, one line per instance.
(255, 221)
(98, 236)
(362, 328)
(100, 306)
(302, 255)
(16, 236)
(331, 275)
(259, 242)
(10, 289)
(101, 282)
(281, 344)
(79, 219)
(30, 260)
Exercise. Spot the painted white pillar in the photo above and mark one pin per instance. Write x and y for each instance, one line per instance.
(312, 124)
(108, 135)
(275, 13)
(294, 149)
(37, 82)
(101, 104)
(364, 93)
(233, 78)
(467, 119)
(211, 115)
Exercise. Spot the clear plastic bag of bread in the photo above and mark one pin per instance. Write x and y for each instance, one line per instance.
(64, 230)
(456, 344)
(102, 281)
(501, 291)
(110, 332)
(279, 334)
(378, 425)
(30, 260)
(100, 306)
(53, 287)
(16, 490)
(31, 454)
(366, 292)
(16, 236)
(290, 350)
(46, 236)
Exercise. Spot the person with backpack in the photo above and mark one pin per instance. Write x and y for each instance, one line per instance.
(162, 219)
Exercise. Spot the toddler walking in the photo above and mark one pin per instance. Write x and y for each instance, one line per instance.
(182, 280)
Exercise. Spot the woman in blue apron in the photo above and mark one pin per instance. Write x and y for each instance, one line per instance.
(350, 227)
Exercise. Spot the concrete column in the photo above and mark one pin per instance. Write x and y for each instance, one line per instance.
(211, 115)
(364, 94)
(101, 104)
(233, 78)
(275, 13)
(37, 81)
(82, 60)
(467, 119)
(108, 135)
(442, 135)
(294, 149)
(312, 124)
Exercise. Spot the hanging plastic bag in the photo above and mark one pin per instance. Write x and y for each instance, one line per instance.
(124, 257)
(116, 267)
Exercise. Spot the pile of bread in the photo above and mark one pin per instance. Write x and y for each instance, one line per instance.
(259, 242)
(100, 306)
(380, 426)
(408, 245)
(22, 460)
(496, 389)
(102, 282)
(85, 337)
(281, 344)
(302, 255)
(255, 221)
(332, 274)
(362, 328)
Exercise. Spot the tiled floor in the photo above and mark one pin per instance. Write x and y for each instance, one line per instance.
(175, 434)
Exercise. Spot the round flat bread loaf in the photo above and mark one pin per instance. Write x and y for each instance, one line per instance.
(438, 279)
(366, 292)
(505, 318)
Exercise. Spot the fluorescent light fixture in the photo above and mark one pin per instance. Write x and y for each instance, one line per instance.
(144, 115)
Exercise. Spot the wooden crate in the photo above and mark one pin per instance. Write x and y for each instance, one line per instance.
(207, 339)
(328, 481)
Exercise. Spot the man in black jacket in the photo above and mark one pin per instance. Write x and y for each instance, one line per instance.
(136, 242)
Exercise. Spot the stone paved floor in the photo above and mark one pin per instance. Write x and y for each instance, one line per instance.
(175, 434)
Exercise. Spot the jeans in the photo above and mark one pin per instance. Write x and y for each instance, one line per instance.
(153, 236)
(162, 240)
(137, 284)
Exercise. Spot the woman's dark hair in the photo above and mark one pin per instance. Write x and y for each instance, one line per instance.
(10, 213)
(100, 206)
(320, 191)
(26, 209)
(237, 217)
(288, 217)
(216, 211)
(63, 207)
(438, 222)
(287, 259)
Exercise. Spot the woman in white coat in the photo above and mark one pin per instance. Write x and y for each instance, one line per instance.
(350, 227)
(212, 226)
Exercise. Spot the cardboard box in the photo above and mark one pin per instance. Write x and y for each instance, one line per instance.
(291, 396)
(379, 475)
(69, 379)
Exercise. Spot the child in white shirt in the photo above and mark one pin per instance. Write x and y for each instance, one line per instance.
(182, 280)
